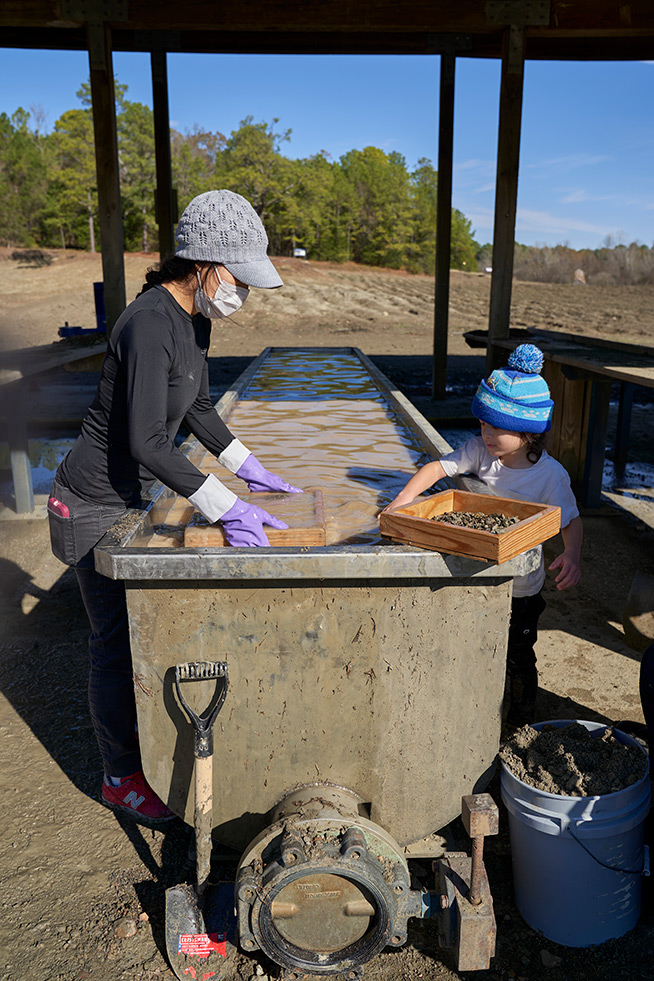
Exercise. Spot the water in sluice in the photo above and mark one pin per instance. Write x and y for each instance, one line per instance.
(319, 421)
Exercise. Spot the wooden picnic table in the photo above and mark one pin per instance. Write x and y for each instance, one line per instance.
(15, 368)
(580, 372)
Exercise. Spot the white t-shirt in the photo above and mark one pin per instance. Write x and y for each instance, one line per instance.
(545, 482)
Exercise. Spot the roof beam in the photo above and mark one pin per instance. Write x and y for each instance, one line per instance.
(566, 29)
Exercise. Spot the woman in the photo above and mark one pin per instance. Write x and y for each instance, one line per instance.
(155, 375)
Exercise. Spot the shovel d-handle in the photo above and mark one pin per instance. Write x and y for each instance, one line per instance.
(203, 752)
(203, 724)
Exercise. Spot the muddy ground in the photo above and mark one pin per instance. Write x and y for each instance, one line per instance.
(83, 890)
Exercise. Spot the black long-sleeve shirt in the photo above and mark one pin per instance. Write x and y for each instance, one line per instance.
(154, 375)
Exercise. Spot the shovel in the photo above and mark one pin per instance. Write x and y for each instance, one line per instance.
(192, 951)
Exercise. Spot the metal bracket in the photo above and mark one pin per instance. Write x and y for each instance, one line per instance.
(96, 14)
(520, 13)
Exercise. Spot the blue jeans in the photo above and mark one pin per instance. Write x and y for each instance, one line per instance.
(111, 687)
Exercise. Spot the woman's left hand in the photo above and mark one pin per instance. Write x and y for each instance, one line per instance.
(259, 479)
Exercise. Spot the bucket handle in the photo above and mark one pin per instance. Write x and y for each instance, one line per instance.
(612, 868)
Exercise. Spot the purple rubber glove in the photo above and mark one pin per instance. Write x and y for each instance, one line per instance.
(259, 479)
(243, 524)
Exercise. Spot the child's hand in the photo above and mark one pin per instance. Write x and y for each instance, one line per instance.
(393, 506)
(570, 558)
(424, 478)
(570, 573)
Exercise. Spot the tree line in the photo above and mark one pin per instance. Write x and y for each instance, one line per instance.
(367, 207)
(611, 265)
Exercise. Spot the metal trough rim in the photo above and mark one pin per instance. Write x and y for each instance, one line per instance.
(318, 563)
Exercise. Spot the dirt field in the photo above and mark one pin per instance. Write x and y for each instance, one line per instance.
(82, 890)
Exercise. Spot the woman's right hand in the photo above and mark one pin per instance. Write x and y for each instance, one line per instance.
(243, 525)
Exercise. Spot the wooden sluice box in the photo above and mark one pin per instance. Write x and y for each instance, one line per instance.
(358, 667)
(303, 513)
(417, 525)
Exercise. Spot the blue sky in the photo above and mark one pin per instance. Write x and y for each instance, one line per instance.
(587, 150)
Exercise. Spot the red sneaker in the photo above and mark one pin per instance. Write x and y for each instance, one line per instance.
(134, 796)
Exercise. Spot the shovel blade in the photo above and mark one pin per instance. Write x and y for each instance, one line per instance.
(199, 950)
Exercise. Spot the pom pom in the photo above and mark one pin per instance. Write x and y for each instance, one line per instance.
(527, 358)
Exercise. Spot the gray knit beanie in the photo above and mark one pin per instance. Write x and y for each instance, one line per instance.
(221, 226)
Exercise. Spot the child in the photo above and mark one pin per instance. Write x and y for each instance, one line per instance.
(515, 411)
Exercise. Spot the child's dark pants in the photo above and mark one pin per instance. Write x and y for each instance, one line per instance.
(521, 658)
(647, 692)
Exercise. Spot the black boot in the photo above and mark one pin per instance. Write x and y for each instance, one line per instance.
(521, 709)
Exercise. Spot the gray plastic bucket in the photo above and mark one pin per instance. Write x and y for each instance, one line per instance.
(560, 890)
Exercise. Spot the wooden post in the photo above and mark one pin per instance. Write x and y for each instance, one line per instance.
(624, 424)
(106, 165)
(15, 410)
(506, 189)
(443, 224)
(164, 189)
(600, 394)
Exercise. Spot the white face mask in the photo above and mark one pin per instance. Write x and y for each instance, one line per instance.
(228, 299)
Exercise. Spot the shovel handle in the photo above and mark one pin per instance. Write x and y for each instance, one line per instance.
(203, 751)
(203, 819)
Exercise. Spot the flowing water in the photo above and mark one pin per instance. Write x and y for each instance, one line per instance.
(318, 420)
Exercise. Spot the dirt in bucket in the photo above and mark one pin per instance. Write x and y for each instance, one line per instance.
(570, 761)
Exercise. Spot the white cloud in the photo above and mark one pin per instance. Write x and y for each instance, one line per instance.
(572, 161)
(581, 196)
(538, 226)
(639, 204)
(476, 164)
(545, 223)
(481, 220)
(475, 176)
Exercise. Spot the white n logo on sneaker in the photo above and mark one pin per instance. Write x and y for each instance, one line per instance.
(133, 800)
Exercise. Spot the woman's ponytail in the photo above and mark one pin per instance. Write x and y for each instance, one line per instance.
(172, 267)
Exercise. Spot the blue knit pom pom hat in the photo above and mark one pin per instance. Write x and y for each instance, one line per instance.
(516, 397)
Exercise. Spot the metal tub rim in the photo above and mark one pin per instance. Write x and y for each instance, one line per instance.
(324, 562)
